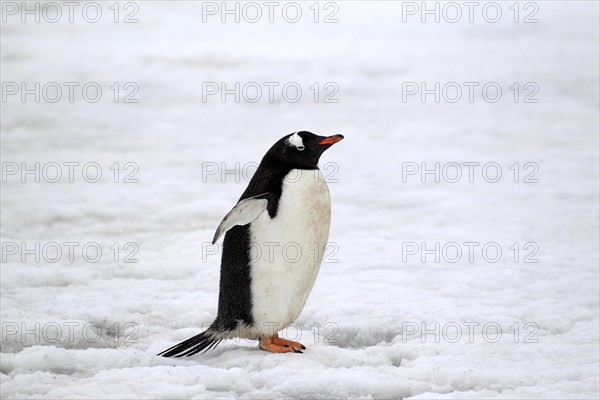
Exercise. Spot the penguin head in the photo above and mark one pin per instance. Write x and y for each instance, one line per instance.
(302, 149)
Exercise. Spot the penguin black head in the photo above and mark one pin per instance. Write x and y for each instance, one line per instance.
(301, 149)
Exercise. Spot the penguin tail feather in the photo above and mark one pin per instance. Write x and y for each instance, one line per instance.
(202, 342)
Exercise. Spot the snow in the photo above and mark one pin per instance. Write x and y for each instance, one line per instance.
(364, 322)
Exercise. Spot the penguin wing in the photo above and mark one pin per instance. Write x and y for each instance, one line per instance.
(243, 213)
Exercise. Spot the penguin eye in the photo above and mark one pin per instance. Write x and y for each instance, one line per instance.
(300, 148)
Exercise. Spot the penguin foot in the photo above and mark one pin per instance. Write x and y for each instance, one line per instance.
(276, 344)
(288, 343)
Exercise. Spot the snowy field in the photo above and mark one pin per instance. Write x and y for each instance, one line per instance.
(451, 286)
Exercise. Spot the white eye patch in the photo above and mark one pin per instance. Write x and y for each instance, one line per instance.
(296, 141)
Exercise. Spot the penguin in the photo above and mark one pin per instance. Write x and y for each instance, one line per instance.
(275, 237)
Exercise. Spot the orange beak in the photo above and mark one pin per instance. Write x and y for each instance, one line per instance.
(332, 139)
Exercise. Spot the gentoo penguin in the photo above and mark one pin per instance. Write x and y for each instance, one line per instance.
(275, 237)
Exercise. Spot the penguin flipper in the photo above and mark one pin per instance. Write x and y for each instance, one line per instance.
(243, 213)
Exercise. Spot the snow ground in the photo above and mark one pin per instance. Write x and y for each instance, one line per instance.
(364, 323)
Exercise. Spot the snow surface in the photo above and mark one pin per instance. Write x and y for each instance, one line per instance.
(359, 321)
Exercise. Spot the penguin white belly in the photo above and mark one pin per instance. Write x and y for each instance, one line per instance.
(286, 251)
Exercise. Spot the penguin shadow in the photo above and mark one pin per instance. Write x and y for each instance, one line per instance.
(226, 351)
(232, 349)
(236, 354)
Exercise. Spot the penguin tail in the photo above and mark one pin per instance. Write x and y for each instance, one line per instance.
(204, 341)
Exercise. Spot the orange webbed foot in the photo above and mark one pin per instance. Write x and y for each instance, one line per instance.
(276, 344)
